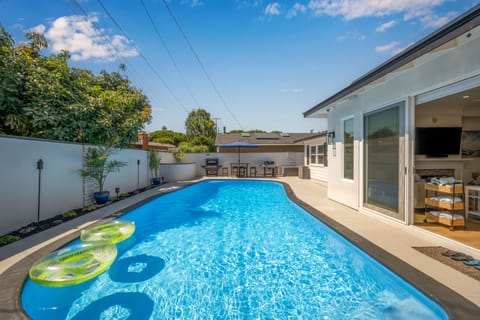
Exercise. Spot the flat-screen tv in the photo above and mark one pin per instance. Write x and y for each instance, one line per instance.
(438, 141)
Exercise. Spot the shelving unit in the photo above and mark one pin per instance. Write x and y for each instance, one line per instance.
(472, 201)
(451, 214)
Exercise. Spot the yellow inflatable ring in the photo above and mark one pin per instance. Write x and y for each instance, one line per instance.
(74, 264)
(110, 232)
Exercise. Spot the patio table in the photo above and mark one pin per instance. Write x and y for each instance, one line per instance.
(241, 168)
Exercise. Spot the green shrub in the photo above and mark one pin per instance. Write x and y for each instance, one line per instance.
(6, 239)
(69, 214)
(90, 207)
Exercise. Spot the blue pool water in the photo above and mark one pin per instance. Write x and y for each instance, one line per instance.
(233, 250)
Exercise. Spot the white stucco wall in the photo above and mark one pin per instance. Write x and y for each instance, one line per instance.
(429, 72)
(282, 159)
(171, 172)
(62, 187)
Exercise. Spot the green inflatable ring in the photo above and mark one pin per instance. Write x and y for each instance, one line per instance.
(110, 232)
(74, 264)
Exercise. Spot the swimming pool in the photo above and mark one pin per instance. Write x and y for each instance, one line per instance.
(227, 249)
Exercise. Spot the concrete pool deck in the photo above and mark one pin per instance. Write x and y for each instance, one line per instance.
(388, 241)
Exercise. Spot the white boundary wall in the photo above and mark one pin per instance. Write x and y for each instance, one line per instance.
(281, 159)
(62, 188)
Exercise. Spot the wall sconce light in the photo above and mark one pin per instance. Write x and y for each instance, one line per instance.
(331, 137)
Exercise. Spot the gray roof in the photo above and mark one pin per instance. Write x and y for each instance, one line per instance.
(266, 138)
(450, 31)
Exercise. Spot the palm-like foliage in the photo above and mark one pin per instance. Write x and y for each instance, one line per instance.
(98, 167)
(154, 161)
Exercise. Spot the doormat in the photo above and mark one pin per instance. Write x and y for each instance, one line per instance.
(436, 253)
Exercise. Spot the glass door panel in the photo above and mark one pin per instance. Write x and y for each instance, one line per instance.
(383, 160)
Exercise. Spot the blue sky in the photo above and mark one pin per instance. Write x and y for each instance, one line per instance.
(260, 64)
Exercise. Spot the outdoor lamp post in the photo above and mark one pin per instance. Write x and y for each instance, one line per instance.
(39, 168)
(138, 174)
(117, 191)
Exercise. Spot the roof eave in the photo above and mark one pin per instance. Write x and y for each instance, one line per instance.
(452, 30)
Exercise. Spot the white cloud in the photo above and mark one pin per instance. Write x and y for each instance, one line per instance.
(435, 21)
(390, 48)
(18, 26)
(296, 90)
(296, 8)
(248, 4)
(272, 9)
(196, 3)
(193, 3)
(77, 35)
(387, 25)
(352, 9)
(352, 36)
(38, 29)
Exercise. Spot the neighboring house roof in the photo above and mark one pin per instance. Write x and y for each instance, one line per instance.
(154, 145)
(450, 31)
(313, 136)
(161, 145)
(265, 138)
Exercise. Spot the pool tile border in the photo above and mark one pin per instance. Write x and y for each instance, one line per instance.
(455, 305)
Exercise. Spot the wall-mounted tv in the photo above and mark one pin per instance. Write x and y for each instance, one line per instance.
(438, 141)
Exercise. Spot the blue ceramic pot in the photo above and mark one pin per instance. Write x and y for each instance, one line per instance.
(101, 197)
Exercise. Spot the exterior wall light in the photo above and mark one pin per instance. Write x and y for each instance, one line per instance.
(331, 137)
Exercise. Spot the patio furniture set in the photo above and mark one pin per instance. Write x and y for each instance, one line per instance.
(239, 169)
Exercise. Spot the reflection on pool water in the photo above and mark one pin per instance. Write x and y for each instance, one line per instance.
(233, 250)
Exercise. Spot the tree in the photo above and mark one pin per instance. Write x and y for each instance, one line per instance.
(200, 127)
(167, 136)
(12, 120)
(41, 96)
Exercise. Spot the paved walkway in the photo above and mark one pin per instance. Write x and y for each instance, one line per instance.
(395, 238)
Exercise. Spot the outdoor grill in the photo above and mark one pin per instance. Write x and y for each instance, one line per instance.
(211, 167)
(269, 167)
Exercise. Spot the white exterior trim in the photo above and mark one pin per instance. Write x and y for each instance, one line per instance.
(449, 89)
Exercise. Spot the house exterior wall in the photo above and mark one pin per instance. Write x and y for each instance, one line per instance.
(317, 171)
(264, 149)
(429, 72)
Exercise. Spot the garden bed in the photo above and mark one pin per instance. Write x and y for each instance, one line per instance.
(36, 227)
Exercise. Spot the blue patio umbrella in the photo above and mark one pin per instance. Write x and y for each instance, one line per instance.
(239, 145)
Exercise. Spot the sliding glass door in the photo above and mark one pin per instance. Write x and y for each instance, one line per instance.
(384, 160)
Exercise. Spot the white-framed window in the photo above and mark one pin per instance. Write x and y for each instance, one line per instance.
(318, 154)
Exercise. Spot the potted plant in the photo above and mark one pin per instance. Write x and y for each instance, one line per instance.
(97, 167)
(154, 163)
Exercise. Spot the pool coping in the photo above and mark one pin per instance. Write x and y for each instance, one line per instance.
(455, 305)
